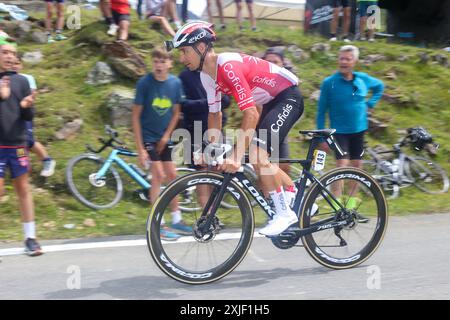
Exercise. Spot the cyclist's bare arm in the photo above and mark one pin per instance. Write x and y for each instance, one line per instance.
(248, 125)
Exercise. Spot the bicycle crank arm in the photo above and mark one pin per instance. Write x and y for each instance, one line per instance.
(306, 231)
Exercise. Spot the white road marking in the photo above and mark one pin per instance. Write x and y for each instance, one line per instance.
(113, 244)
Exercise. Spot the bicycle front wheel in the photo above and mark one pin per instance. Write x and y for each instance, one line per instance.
(361, 207)
(93, 192)
(427, 175)
(202, 255)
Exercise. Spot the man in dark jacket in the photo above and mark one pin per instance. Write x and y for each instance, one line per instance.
(195, 115)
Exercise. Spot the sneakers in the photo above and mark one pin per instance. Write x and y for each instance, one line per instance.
(181, 228)
(49, 167)
(50, 39)
(333, 39)
(279, 223)
(60, 37)
(112, 31)
(32, 247)
(168, 235)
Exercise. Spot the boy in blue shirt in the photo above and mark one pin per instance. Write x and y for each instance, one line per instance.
(155, 115)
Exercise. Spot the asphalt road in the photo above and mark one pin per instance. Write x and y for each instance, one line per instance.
(412, 263)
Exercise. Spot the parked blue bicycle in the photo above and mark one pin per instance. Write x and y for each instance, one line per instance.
(96, 183)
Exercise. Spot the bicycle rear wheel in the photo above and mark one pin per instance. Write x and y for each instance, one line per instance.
(427, 175)
(205, 255)
(94, 193)
(363, 208)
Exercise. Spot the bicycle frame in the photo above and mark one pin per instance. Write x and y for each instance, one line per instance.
(398, 177)
(217, 195)
(114, 158)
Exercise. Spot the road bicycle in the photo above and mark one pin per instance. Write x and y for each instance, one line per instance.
(335, 235)
(401, 170)
(96, 182)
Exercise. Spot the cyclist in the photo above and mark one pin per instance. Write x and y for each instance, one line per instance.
(251, 81)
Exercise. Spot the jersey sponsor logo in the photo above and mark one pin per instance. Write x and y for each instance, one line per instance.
(281, 118)
(235, 80)
(267, 81)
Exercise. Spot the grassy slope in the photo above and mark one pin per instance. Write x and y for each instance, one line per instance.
(64, 70)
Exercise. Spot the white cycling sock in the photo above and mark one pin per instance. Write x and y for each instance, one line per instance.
(176, 216)
(29, 229)
(279, 200)
(290, 193)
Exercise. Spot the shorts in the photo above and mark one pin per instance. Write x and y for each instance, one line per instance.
(16, 159)
(30, 135)
(247, 1)
(364, 5)
(155, 8)
(341, 3)
(59, 1)
(277, 118)
(352, 143)
(117, 17)
(165, 155)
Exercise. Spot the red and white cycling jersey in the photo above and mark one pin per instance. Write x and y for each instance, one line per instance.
(249, 79)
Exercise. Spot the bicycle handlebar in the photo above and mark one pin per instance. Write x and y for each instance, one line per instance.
(107, 143)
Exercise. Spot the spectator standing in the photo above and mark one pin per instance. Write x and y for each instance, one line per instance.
(219, 9)
(347, 10)
(16, 107)
(250, 14)
(195, 118)
(59, 22)
(34, 146)
(344, 96)
(155, 115)
(120, 10)
(363, 11)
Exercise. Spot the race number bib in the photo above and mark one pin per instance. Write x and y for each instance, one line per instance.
(318, 163)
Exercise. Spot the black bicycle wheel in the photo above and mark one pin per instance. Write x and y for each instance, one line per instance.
(427, 175)
(94, 193)
(364, 209)
(200, 258)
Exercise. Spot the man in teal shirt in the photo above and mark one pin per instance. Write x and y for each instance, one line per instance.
(345, 97)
